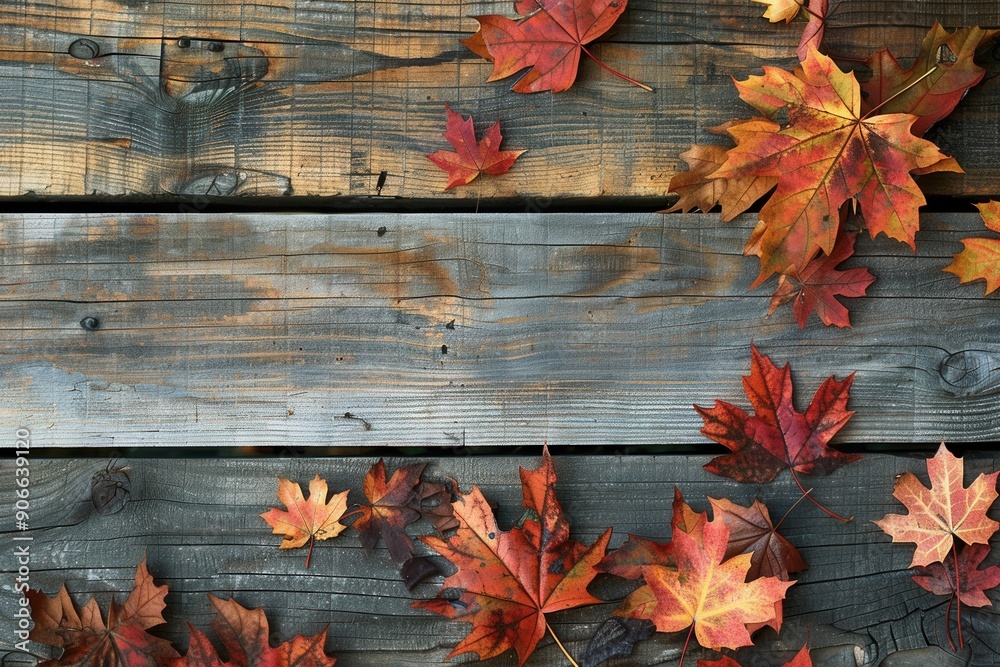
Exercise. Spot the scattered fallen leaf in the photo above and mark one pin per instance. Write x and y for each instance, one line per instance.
(708, 594)
(828, 155)
(471, 158)
(777, 436)
(817, 286)
(812, 35)
(980, 259)
(751, 532)
(87, 641)
(306, 520)
(510, 580)
(245, 634)
(549, 38)
(945, 511)
(435, 504)
(616, 637)
(781, 10)
(939, 578)
(934, 84)
(394, 504)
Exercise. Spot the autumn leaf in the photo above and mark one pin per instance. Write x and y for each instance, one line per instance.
(939, 578)
(945, 511)
(801, 659)
(306, 520)
(394, 504)
(471, 158)
(751, 532)
(549, 38)
(829, 154)
(777, 436)
(817, 286)
(245, 635)
(812, 35)
(781, 10)
(708, 594)
(88, 641)
(510, 580)
(980, 259)
(697, 188)
(934, 84)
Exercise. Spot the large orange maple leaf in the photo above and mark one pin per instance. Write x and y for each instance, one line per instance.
(943, 512)
(827, 155)
(87, 641)
(510, 580)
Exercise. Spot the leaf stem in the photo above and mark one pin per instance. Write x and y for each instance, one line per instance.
(618, 74)
(958, 595)
(789, 510)
(686, 642)
(561, 647)
(947, 630)
(312, 541)
(805, 494)
(900, 92)
(805, 5)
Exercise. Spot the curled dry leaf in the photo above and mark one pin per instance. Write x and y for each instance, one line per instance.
(943, 512)
(245, 634)
(306, 520)
(510, 580)
(88, 641)
(470, 157)
(980, 259)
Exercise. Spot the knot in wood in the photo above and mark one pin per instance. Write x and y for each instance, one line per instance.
(85, 49)
(90, 323)
(110, 490)
(970, 372)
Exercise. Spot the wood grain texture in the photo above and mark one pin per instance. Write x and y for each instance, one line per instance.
(307, 97)
(445, 330)
(198, 523)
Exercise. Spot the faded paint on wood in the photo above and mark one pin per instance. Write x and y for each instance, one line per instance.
(198, 523)
(105, 97)
(446, 330)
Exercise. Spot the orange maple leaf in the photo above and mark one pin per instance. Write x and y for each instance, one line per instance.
(707, 594)
(829, 154)
(471, 158)
(245, 636)
(306, 520)
(510, 580)
(549, 38)
(781, 10)
(943, 512)
(980, 260)
(87, 641)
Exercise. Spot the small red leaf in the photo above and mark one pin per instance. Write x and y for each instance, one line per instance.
(471, 158)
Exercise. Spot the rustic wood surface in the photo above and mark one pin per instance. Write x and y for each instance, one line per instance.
(106, 97)
(358, 330)
(198, 523)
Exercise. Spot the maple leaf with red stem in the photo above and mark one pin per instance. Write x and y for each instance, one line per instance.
(470, 157)
(394, 505)
(511, 580)
(980, 258)
(549, 39)
(87, 641)
(245, 636)
(751, 531)
(777, 436)
(971, 583)
(306, 520)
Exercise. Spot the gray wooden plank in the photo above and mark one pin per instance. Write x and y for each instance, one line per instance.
(197, 521)
(444, 330)
(298, 97)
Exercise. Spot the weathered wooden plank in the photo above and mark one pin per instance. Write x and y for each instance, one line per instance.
(457, 330)
(197, 521)
(319, 98)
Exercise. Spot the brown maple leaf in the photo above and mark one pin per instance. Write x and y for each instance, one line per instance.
(943, 512)
(751, 532)
(777, 436)
(817, 286)
(394, 505)
(829, 154)
(706, 593)
(801, 659)
(87, 641)
(510, 580)
(306, 520)
(245, 636)
(470, 157)
(980, 259)
(971, 583)
(549, 38)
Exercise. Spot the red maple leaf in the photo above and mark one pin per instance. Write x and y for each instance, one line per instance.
(752, 532)
(87, 641)
(471, 158)
(972, 582)
(394, 505)
(777, 436)
(549, 39)
(245, 636)
(817, 286)
(510, 580)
